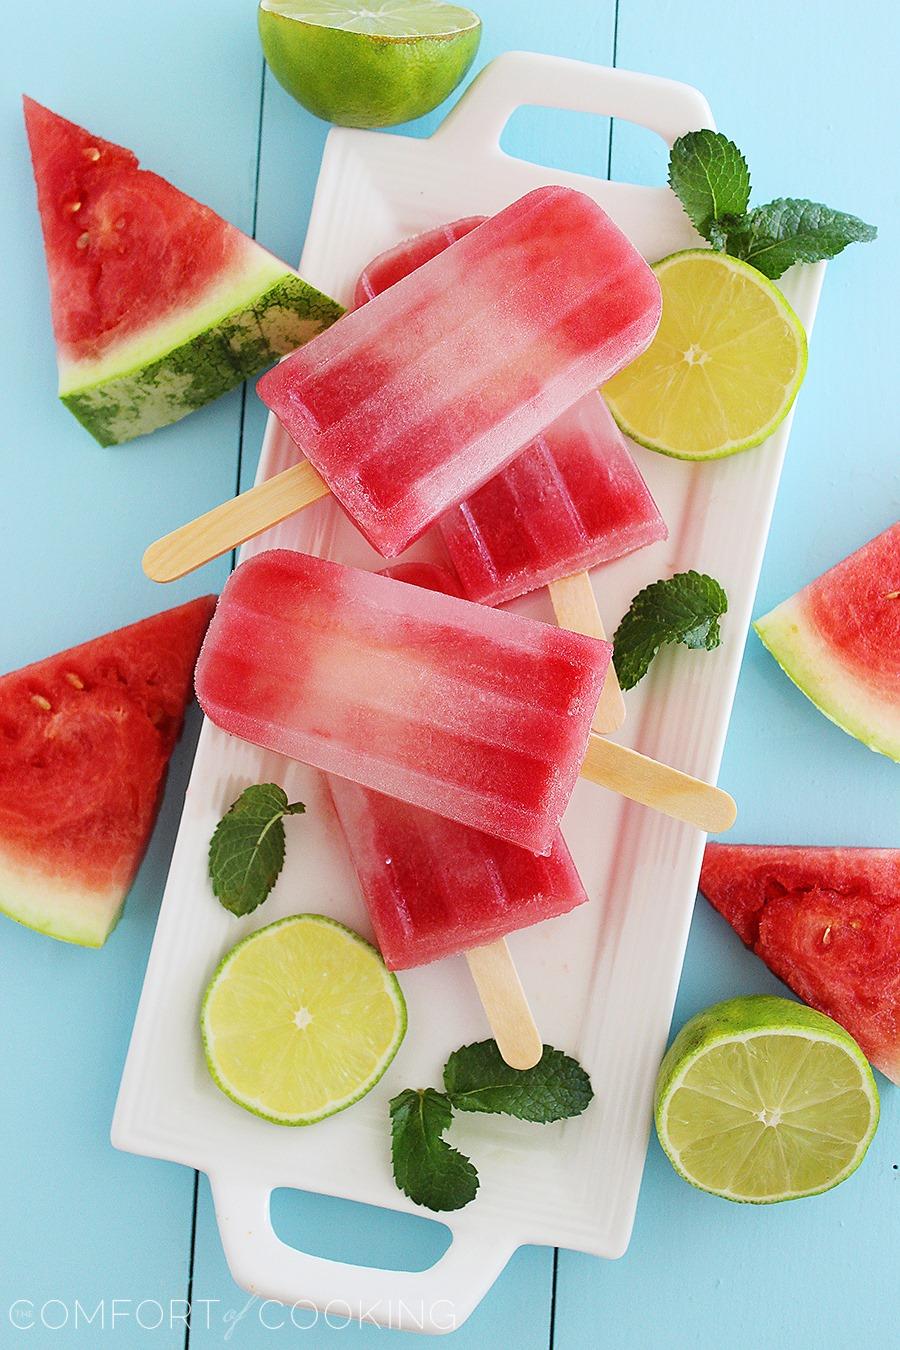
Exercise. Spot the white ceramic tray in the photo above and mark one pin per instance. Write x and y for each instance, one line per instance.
(602, 981)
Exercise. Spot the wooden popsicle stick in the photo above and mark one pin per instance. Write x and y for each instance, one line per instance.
(657, 785)
(505, 1004)
(232, 523)
(575, 607)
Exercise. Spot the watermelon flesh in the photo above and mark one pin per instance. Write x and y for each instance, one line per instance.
(839, 641)
(827, 922)
(158, 304)
(86, 737)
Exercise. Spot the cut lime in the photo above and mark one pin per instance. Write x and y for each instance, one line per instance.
(724, 367)
(762, 1099)
(368, 63)
(301, 1019)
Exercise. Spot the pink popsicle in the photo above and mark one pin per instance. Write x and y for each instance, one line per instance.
(434, 888)
(571, 500)
(574, 499)
(410, 403)
(477, 714)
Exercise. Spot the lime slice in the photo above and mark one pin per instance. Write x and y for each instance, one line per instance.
(368, 63)
(762, 1099)
(724, 367)
(300, 1020)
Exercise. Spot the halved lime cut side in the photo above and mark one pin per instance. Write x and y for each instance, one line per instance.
(368, 63)
(724, 367)
(761, 1099)
(301, 1019)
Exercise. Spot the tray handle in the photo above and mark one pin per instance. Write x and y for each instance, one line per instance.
(517, 78)
(435, 1300)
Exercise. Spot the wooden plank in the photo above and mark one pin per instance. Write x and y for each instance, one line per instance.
(180, 87)
(811, 101)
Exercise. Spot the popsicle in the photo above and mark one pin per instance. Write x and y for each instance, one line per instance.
(478, 714)
(573, 498)
(474, 713)
(434, 888)
(409, 404)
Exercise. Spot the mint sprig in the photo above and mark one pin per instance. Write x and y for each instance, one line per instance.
(246, 852)
(709, 175)
(686, 608)
(426, 1168)
(790, 230)
(477, 1078)
(433, 1173)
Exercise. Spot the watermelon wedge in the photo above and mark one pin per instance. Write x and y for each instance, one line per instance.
(839, 641)
(827, 922)
(158, 304)
(85, 738)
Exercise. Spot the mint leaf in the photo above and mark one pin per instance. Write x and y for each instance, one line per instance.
(686, 608)
(426, 1168)
(709, 175)
(246, 852)
(790, 230)
(476, 1078)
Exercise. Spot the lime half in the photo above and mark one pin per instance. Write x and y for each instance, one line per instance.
(368, 63)
(301, 1019)
(762, 1099)
(724, 368)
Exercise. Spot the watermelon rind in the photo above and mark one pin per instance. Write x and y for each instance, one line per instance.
(56, 906)
(807, 659)
(247, 322)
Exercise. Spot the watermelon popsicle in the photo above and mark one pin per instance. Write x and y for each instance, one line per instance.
(477, 714)
(573, 498)
(410, 403)
(434, 888)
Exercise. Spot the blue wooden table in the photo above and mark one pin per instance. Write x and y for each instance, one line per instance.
(810, 94)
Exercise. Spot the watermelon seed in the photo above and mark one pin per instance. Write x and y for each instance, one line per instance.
(119, 224)
(83, 240)
(826, 936)
(91, 152)
(72, 207)
(74, 680)
(40, 702)
(892, 595)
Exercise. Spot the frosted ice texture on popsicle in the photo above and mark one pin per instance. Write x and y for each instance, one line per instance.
(410, 403)
(477, 714)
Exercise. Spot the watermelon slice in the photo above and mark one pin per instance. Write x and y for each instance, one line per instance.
(827, 922)
(158, 304)
(839, 641)
(86, 737)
